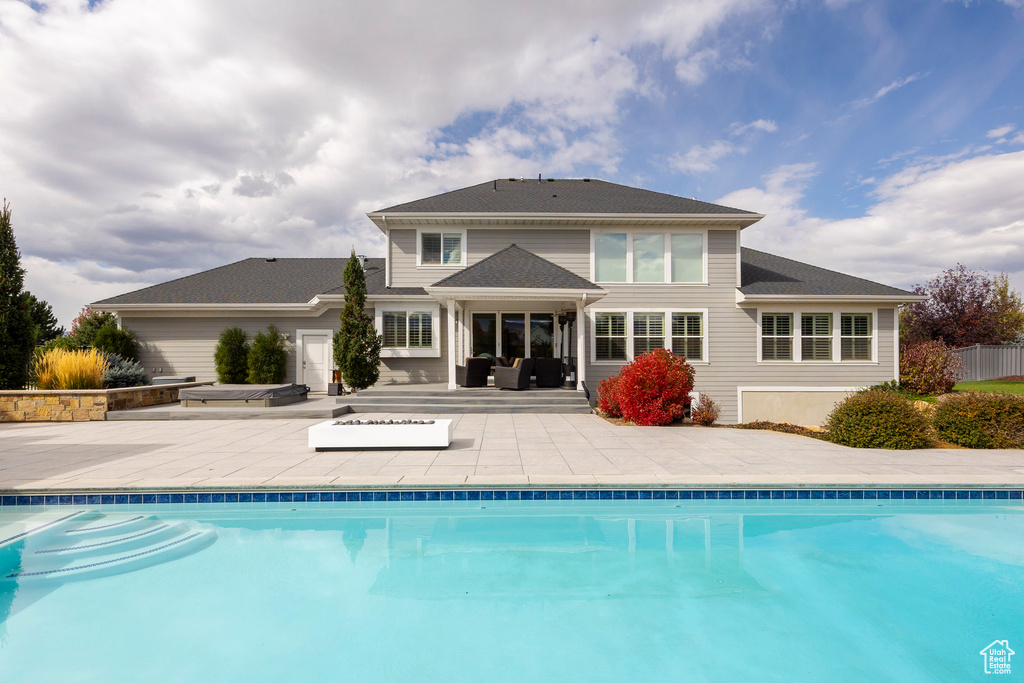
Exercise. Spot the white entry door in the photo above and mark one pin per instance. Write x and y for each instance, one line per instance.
(315, 360)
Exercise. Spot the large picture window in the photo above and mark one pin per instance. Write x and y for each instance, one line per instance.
(622, 336)
(817, 336)
(407, 330)
(441, 249)
(649, 257)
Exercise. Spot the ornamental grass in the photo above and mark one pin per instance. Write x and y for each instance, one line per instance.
(69, 369)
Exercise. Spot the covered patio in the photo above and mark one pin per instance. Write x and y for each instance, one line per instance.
(515, 304)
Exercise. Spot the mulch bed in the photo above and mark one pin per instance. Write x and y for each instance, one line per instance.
(1011, 378)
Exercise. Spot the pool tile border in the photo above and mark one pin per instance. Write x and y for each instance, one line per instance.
(505, 494)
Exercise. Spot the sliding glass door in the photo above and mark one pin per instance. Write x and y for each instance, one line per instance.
(513, 335)
(485, 335)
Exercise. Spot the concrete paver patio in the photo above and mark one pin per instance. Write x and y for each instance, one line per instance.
(492, 449)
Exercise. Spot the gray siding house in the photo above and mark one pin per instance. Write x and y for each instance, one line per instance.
(585, 270)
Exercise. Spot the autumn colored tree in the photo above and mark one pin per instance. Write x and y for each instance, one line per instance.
(964, 307)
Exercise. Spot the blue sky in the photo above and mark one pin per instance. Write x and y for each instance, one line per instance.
(141, 141)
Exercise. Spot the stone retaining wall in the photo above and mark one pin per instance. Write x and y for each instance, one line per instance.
(84, 405)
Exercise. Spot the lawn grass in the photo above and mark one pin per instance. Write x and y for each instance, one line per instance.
(991, 387)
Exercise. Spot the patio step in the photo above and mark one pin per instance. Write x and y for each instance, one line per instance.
(482, 400)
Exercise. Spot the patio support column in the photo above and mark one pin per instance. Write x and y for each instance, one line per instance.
(451, 344)
(581, 345)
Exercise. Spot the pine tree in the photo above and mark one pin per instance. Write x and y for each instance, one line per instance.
(232, 356)
(356, 344)
(46, 327)
(17, 332)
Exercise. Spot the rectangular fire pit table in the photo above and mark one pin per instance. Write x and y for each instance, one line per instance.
(336, 435)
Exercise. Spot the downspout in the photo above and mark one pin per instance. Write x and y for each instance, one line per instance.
(387, 252)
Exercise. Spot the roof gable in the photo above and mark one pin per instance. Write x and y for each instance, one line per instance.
(558, 196)
(513, 268)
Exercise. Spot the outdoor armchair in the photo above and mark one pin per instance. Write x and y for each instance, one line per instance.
(514, 378)
(473, 373)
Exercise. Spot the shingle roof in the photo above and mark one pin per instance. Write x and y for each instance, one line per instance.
(763, 273)
(553, 195)
(515, 267)
(259, 281)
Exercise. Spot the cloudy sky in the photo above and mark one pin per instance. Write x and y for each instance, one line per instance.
(142, 140)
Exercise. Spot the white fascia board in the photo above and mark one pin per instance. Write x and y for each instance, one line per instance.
(115, 308)
(747, 219)
(517, 292)
(743, 299)
(396, 297)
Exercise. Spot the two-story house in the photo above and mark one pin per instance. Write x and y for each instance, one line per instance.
(584, 270)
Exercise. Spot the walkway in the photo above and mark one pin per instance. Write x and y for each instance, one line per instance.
(514, 450)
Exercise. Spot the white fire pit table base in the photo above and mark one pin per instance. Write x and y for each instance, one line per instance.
(336, 435)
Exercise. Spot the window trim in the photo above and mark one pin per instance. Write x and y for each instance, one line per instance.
(666, 312)
(794, 339)
(797, 313)
(434, 309)
(667, 259)
(626, 335)
(429, 231)
(855, 336)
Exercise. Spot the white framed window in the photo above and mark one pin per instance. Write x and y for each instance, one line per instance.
(441, 248)
(776, 336)
(648, 332)
(816, 336)
(688, 336)
(649, 257)
(409, 330)
(855, 336)
(620, 336)
(610, 336)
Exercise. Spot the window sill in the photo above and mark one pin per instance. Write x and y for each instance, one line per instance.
(436, 266)
(656, 284)
(410, 353)
(817, 362)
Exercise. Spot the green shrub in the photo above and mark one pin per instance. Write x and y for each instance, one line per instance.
(122, 372)
(88, 323)
(877, 419)
(267, 358)
(232, 356)
(928, 368)
(111, 339)
(981, 420)
(66, 342)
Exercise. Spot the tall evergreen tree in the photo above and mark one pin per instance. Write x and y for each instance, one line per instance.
(46, 327)
(17, 333)
(357, 344)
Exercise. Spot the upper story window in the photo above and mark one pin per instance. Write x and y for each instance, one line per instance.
(636, 256)
(442, 248)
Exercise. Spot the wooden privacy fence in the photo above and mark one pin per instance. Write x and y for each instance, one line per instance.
(991, 361)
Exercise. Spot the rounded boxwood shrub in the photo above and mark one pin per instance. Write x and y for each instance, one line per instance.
(977, 420)
(267, 358)
(607, 397)
(655, 388)
(231, 357)
(877, 418)
(111, 339)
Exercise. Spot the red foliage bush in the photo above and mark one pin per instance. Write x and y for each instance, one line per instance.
(607, 397)
(655, 388)
(928, 368)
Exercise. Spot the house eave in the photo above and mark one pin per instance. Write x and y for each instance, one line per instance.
(752, 299)
(517, 293)
(386, 221)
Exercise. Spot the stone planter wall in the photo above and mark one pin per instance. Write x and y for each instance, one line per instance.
(84, 405)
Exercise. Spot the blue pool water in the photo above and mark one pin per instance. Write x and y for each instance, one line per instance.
(624, 590)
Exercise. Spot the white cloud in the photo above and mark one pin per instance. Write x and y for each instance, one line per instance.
(1001, 131)
(701, 158)
(886, 89)
(763, 125)
(924, 219)
(158, 137)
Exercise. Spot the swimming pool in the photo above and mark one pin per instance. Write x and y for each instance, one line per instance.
(630, 587)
